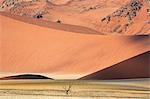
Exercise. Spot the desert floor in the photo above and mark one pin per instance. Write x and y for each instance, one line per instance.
(57, 89)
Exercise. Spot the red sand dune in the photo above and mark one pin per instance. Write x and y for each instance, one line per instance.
(89, 14)
(27, 48)
(135, 67)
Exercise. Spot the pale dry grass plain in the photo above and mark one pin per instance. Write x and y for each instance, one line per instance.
(57, 89)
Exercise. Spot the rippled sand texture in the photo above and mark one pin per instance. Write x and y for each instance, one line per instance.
(48, 89)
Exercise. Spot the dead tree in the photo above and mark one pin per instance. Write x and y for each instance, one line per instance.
(67, 89)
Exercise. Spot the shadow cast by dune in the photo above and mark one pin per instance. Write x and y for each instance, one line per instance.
(135, 67)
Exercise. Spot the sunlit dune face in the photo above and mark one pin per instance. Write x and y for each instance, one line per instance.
(31, 48)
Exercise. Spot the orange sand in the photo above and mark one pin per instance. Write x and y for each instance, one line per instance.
(30, 48)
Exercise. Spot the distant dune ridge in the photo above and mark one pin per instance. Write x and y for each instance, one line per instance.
(111, 17)
(136, 67)
(24, 76)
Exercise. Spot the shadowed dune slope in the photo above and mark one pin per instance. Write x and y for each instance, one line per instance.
(136, 67)
(25, 76)
(27, 48)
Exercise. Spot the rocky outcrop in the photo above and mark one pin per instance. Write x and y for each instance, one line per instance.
(130, 11)
(9, 3)
(32, 8)
(120, 20)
